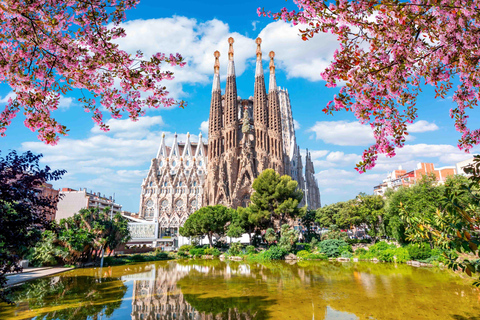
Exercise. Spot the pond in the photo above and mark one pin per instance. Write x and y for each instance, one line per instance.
(212, 289)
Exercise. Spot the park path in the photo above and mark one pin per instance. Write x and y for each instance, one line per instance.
(32, 273)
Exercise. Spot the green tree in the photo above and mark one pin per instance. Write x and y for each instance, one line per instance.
(23, 209)
(47, 252)
(288, 238)
(207, 221)
(455, 224)
(307, 220)
(90, 232)
(270, 236)
(369, 211)
(242, 222)
(421, 201)
(275, 197)
(337, 213)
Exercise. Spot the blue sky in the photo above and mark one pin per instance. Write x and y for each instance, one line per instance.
(117, 161)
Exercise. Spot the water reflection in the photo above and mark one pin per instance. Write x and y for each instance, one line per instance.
(157, 294)
(198, 289)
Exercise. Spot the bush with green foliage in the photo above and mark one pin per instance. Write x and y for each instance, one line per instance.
(274, 253)
(186, 248)
(46, 252)
(235, 248)
(137, 258)
(182, 254)
(360, 251)
(197, 252)
(316, 256)
(288, 238)
(331, 248)
(250, 249)
(419, 251)
(212, 252)
(303, 254)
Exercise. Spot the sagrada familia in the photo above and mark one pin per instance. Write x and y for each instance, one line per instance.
(245, 137)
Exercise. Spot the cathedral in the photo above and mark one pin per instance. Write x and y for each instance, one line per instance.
(245, 137)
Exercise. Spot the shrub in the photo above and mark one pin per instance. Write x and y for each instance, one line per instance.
(331, 247)
(419, 251)
(302, 254)
(360, 251)
(346, 254)
(250, 250)
(313, 244)
(161, 255)
(137, 258)
(386, 255)
(235, 248)
(186, 248)
(212, 252)
(182, 254)
(288, 238)
(274, 253)
(316, 256)
(402, 255)
(197, 252)
(381, 246)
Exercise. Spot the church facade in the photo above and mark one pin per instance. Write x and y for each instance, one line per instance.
(245, 137)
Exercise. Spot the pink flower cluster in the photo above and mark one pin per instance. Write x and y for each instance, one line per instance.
(50, 47)
(389, 48)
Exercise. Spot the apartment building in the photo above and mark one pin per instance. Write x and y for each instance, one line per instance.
(73, 200)
(400, 177)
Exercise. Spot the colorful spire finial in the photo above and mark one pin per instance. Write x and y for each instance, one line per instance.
(216, 67)
(258, 41)
(230, 49)
(272, 63)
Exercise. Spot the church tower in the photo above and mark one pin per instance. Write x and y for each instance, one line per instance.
(215, 135)
(229, 165)
(277, 153)
(260, 113)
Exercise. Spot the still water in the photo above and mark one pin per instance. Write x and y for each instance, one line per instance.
(212, 289)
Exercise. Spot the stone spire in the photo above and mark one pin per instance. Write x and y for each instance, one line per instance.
(312, 193)
(272, 85)
(162, 150)
(187, 150)
(231, 64)
(231, 104)
(215, 123)
(175, 153)
(260, 113)
(275, 122)
(216, 72)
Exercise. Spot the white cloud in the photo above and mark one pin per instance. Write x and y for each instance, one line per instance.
(5, 99)
(343, 133)
(422, 126)
(296, 124)
(195, 41)
(204, 127)
(254, 25)
(126, 128)
(65, 103)
(300, 59)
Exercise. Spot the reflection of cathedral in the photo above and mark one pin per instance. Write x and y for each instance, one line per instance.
(246, 136)
(157, 296)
